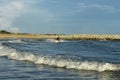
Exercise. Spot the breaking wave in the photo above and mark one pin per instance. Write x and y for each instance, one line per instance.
(34, 40)
(56, 41)
(15, 41)
(57, 61)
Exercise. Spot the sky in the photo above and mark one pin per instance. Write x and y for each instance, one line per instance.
(60, 16)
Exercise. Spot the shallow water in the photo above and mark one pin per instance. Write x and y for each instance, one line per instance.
(30, 59)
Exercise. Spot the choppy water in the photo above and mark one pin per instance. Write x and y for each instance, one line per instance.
(34, 59)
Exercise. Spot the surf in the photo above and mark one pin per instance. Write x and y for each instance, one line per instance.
(56, 60)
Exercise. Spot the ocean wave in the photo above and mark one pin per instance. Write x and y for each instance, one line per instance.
(56, 41)
(32, 40)
(15, 41)
(21, 40)
(57, 61)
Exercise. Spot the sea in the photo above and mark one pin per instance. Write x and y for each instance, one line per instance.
(46, 59)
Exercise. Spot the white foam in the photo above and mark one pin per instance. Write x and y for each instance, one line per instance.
(15, 41)
(86, 65)
(57, 61)
(55, 41)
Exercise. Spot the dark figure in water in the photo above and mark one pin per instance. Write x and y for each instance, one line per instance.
(58, 38)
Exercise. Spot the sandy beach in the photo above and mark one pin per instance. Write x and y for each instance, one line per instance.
(70, 37)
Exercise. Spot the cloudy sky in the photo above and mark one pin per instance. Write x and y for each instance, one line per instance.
(60, 16)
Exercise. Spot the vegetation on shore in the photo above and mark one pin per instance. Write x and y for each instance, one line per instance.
(6, 34)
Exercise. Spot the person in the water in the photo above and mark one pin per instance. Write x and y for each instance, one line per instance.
(57, 38)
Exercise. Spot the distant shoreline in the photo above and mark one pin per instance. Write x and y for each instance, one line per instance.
(62, 36)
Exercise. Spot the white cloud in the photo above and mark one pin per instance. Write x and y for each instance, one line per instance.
(81, 7)
(10, 11)
(15, 29)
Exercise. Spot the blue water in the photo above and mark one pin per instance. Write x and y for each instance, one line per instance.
(36, 59)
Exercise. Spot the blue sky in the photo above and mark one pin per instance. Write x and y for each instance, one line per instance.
(60, 16)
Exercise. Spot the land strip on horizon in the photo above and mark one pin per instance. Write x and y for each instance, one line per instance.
(63, 36)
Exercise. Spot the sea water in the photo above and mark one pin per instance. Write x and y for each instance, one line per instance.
(40, 59)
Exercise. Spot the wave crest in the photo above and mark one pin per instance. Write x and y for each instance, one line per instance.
(57, 61)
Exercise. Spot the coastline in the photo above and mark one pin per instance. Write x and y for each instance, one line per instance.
(61, 36)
